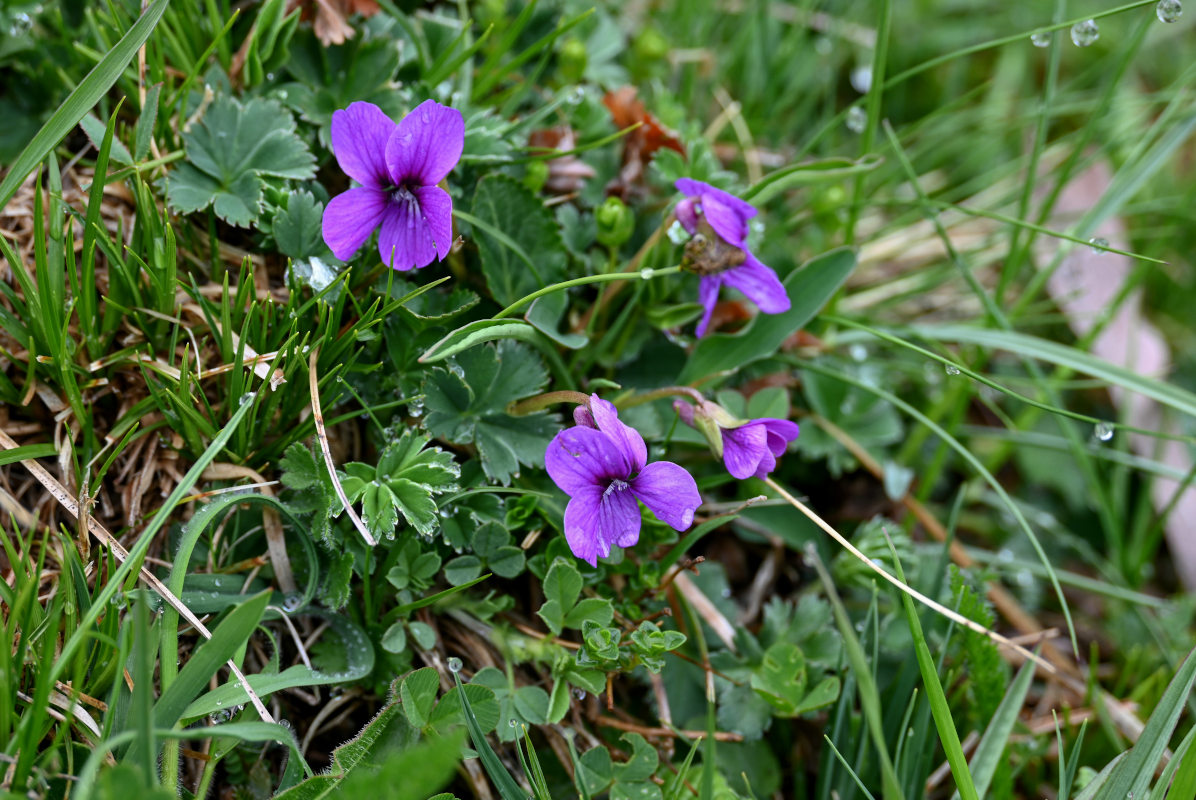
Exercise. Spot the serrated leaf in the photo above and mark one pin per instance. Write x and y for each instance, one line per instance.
(299, 467)
(95, 130)
(297, 228)
(468, 405)
(229, 151)
(518, 239)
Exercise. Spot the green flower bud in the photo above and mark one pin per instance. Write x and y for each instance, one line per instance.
(572, 59)
(536, 175)
(650, 45)
(615, 221)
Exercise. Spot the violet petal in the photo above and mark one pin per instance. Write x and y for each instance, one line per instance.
(405, 240)
(726, 220)
(669, 492)
(580, 458)
(426, 145)
(693, 188)
(437, 207)
(350, 218)
(759, 284)
(595, 519)
(625, 438)
(359, 136)
(743, 447)
(708, 297)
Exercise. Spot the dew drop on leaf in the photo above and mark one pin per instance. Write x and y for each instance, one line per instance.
(1085, 33)
(857, 119)
(454, 664)
(1102, 431)
(1169, 10)
(1040, 39)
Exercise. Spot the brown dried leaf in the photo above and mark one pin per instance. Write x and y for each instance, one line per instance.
(640, 144)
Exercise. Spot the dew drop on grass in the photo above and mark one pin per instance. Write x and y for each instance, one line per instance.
(512, 722)
(1040, 39)
(292, 602)
(1169, 10)
(857, 352)
(1085, 33)
(454, 664)
(861, 79)
(951, 369)
(579, 694)
(1098, 245)
(647, 272)
(857, 119)
(1102, 431)
(247, 398)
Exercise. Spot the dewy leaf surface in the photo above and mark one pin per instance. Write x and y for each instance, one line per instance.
(518, 239)
(228, 153)
(467, 404)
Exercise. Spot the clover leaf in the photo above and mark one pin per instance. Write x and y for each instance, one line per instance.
(467, 403)
(229, 153)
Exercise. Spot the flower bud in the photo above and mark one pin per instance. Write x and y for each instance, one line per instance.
(572, 59)
(583, 417)
(615, 222)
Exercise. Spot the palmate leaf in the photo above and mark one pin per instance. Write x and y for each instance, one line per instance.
(230, 151)
(403, 484)
(467, 404)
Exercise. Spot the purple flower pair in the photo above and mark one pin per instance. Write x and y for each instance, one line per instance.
(603, 467)
(398, 167)
(725, 216)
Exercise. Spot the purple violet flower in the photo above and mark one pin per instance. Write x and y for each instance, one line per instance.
(398, 167)
(753, 448)
(604, 470)
(726, 216)
(748, 448)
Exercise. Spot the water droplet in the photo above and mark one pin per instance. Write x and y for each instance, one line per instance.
(282, 94)
(677, 233)
(21, 23)
(454, 664)
(1102, 431)
(951, 369)
(861, 79)
(269, 76)
(247, 398)
(1169, 10)
(286, 723)
(857, 352)
(292, 602)
(512, 722)
(1085, 33)
(1098, 245)
(579, 694)
(823, 46)
(1040, 39)
(118, 600)
(647, 272)
(857, 119)
(577, 95)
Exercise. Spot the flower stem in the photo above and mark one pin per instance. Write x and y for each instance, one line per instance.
(618, 276)
(664, 391)
(542, 401)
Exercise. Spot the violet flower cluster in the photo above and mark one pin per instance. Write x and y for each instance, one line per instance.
(398, 167)
(604, 469)
(708, 211)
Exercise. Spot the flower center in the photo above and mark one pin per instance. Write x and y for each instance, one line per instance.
(402, 195)
(615, 485)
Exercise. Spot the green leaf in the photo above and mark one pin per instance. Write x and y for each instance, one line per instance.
(643, 762)
(462, 569)
(418, 693)
(595, 609)
(781, 677)
(532, 704)
(297, 228)
(395, 638)
(481, 700)
(467, 404)
(230, 151)
(809, 288)
(95, 130)
(518, 239)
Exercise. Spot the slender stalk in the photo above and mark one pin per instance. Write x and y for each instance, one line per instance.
(647, 274)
